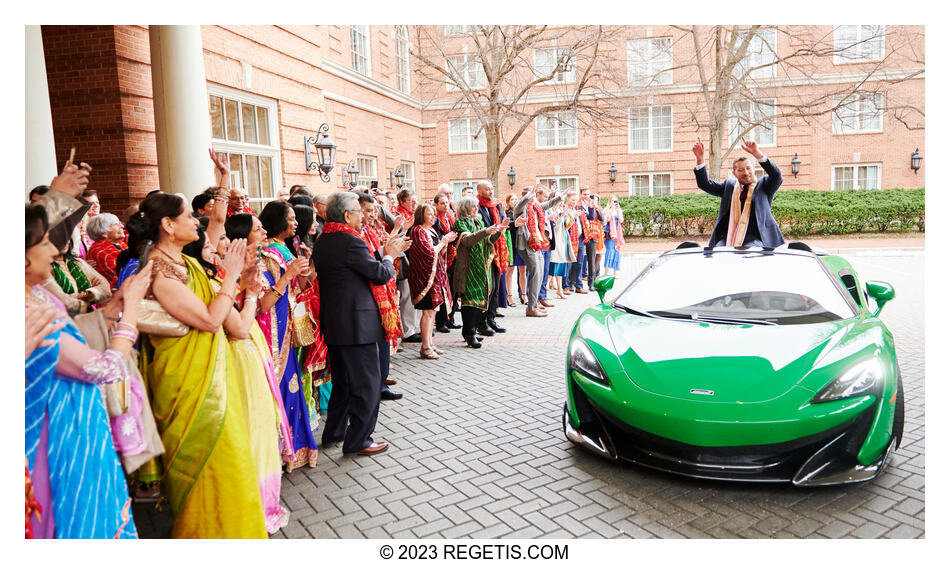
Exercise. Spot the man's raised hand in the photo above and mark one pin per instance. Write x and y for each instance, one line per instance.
(699, 149)
(752, 148)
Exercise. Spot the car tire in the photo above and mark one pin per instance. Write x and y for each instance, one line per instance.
(898, 428)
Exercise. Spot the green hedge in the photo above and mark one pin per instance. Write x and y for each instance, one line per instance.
(798, 212)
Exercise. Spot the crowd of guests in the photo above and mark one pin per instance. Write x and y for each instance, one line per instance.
(173, 350)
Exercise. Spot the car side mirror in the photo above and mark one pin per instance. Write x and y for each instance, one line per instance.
(602, 285)
(882, 292)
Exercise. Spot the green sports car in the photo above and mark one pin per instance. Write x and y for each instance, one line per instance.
(750, 364)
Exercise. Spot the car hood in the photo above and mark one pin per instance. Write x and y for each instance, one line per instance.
(717, 362)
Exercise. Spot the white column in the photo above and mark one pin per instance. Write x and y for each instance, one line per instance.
(40, 147)
(182, 119)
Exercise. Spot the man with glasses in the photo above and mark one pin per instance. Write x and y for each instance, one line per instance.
(346, 268)
(237, 202)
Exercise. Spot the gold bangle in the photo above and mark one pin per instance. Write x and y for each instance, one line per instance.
(276, 292)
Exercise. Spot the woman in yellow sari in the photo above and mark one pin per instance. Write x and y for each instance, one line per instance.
(210, 477)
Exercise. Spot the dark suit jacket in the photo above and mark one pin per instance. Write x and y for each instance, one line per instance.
(348, 313)
(765, 190)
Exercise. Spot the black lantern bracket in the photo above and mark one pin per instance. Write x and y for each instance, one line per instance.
(915, 159)
(325, 151)
(796, 165)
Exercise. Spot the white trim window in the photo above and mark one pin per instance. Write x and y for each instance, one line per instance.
(409, 171)
(856, 177)
(359, 45)
(244, 126)
(466, 69)
(466, 135)
(557, 130)
(559, 183)
(859, 43)
(367, 166)
(650, 129)
(457, 186)
(862, 113)
(760, 55)
(402, 58)
(760, 115)
(458, 29)
(650, 61)
(560, 59)
(651, 184)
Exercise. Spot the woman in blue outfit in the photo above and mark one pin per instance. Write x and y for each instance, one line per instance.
(286, 276)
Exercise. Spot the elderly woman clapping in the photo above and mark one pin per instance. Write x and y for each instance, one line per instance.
(472, 276)
(108, 237)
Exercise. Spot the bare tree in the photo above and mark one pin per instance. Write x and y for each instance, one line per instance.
(747, 85)
(492, 75)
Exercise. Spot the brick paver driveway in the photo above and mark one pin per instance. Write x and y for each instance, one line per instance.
(477, 451)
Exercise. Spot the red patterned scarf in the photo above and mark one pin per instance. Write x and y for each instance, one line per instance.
(537, 238)
(501, 245)
(387, 312)
(445, 223)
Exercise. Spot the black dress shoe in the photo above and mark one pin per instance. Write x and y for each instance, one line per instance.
(472, 341)
(451, 324)
(417, 338)
(442, 329)
(486, 331)
(495, 327)
(390, 395)
(498, 314)
(327, 443)
(479, 338)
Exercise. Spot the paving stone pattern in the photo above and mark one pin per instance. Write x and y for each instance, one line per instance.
(477, 452)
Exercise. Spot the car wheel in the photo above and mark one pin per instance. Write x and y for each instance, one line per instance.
(898, 429)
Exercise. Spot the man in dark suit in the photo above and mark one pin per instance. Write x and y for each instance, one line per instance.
(352, 327)
(737, 224)
(492, 212)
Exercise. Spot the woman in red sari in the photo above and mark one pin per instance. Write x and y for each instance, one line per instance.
(108, 235)
(428, 281)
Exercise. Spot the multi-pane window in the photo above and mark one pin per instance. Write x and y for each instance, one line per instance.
(859, 43)
(245, 130)
(409, 175)
(402, 58)
(367, 166)
(556, 130)
(463, 138)
(457, 186)
(465, 69)
(650, 128)
(760, 55)
(559, 183)
(650, 61)
(651, 184)
(557, 59)
(856, 177)
(760, 116)
(861, 112)
(457, 29)
(359, 46)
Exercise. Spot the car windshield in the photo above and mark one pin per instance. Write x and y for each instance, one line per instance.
(733, 287)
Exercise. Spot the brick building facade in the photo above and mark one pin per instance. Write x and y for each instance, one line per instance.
(268, 86)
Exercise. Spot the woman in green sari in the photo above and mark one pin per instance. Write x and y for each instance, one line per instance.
(472, 279)
(210, 478)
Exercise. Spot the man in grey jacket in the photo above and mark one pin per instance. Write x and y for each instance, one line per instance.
(534, 260)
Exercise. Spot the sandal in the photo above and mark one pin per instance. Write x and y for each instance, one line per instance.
(511, 302)
(428, 354)
(523, 300)
(437, 351)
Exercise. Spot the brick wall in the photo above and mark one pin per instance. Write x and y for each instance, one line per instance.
(100, 94)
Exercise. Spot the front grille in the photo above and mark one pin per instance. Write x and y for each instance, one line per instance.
(770, 462)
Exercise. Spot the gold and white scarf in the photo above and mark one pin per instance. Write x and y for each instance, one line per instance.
(739, 218)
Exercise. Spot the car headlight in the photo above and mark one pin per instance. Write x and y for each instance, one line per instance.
(582, 359)
(860, 379)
